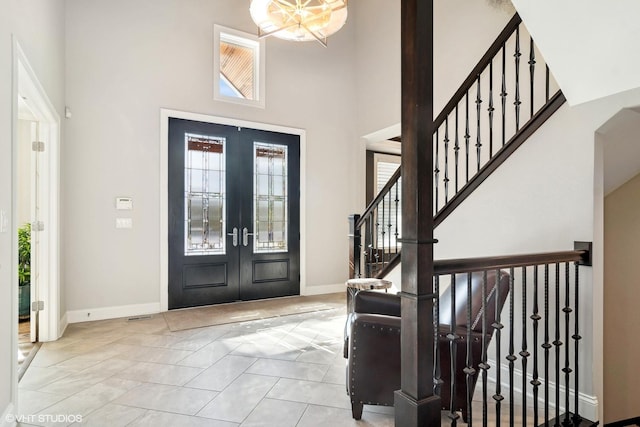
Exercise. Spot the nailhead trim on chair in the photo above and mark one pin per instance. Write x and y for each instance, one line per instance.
(353, 356)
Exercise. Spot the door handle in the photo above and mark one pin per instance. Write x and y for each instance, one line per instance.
(235, 236)
(245, 236)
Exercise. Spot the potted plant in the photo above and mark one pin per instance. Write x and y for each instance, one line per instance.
(24, 271)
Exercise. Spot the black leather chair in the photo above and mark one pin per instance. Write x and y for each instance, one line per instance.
(372, 341)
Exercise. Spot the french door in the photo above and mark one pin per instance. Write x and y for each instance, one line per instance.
(234, 214)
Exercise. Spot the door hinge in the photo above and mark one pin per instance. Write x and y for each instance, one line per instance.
(37, 306)
(37, 146)
(37, 226)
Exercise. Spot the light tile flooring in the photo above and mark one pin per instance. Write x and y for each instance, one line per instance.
(280, 372)
(286, 371)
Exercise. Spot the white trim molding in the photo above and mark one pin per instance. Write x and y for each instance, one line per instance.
(103, 313)
(258, 47)
(26, 84)
(323, 289)
(165, 114)
(62, 326)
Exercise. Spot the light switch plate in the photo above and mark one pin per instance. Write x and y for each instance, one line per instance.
(124, 223)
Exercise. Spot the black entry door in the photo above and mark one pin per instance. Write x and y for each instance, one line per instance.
(234, 214)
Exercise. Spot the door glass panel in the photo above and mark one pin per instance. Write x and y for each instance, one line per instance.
(205, 199)
(270, 198)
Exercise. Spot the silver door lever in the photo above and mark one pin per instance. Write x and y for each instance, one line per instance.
(235, 236)
(245, 236)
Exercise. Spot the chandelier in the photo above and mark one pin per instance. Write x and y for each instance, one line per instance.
(299, 20)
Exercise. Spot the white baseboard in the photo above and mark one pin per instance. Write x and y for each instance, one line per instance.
(8, 417)
(103, 313)
(62, 325)
(323, 289)
(587, 404)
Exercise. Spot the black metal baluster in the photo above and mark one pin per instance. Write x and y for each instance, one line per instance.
(469, 370)
(567, 366)
(557, 343)
(467, 136)
(456, 148)
(491, 109)
(498, 333)
(576, 413)
(484, 365)
(446, 159)
(532, 68)
(437, 370)
(369, 243)
(453, 337)
(436, 173)
(478, 113)
(524, 353)
(517, 56)
(382, 235)
(535, 382)
(389, 225)
(503, 94)
(511, 357)
(546, 344)
(397, 201)
(374, 243)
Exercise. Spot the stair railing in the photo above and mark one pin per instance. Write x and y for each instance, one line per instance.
(470, 142)
(538, 332)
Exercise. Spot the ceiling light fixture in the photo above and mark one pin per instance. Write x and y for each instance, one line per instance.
(299, 20)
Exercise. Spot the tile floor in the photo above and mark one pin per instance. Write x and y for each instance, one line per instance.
(286, 371)
(280, 372)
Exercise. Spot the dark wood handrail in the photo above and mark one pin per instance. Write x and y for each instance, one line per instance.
(381, 195)
(493, 50)
(521, 135)
(469, 265)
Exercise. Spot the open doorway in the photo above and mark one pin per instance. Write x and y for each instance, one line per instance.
(26, 207)
(36, 138)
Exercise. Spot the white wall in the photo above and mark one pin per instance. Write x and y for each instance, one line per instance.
(39, 28)
(23, 202)
(125, 61)
(463, 31)
(622, 317)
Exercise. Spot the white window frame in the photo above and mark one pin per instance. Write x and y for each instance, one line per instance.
(258, 46)
(385, 158)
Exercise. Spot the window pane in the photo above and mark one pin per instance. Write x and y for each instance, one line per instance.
(271, 202)
(205, 198)
(237, 69)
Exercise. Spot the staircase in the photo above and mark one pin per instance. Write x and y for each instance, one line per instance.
(508, 95)
(529, 369)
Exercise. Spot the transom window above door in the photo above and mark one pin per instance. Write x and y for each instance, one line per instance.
(238, 67)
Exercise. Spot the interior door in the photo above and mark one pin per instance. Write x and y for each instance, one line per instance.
(233, 214)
